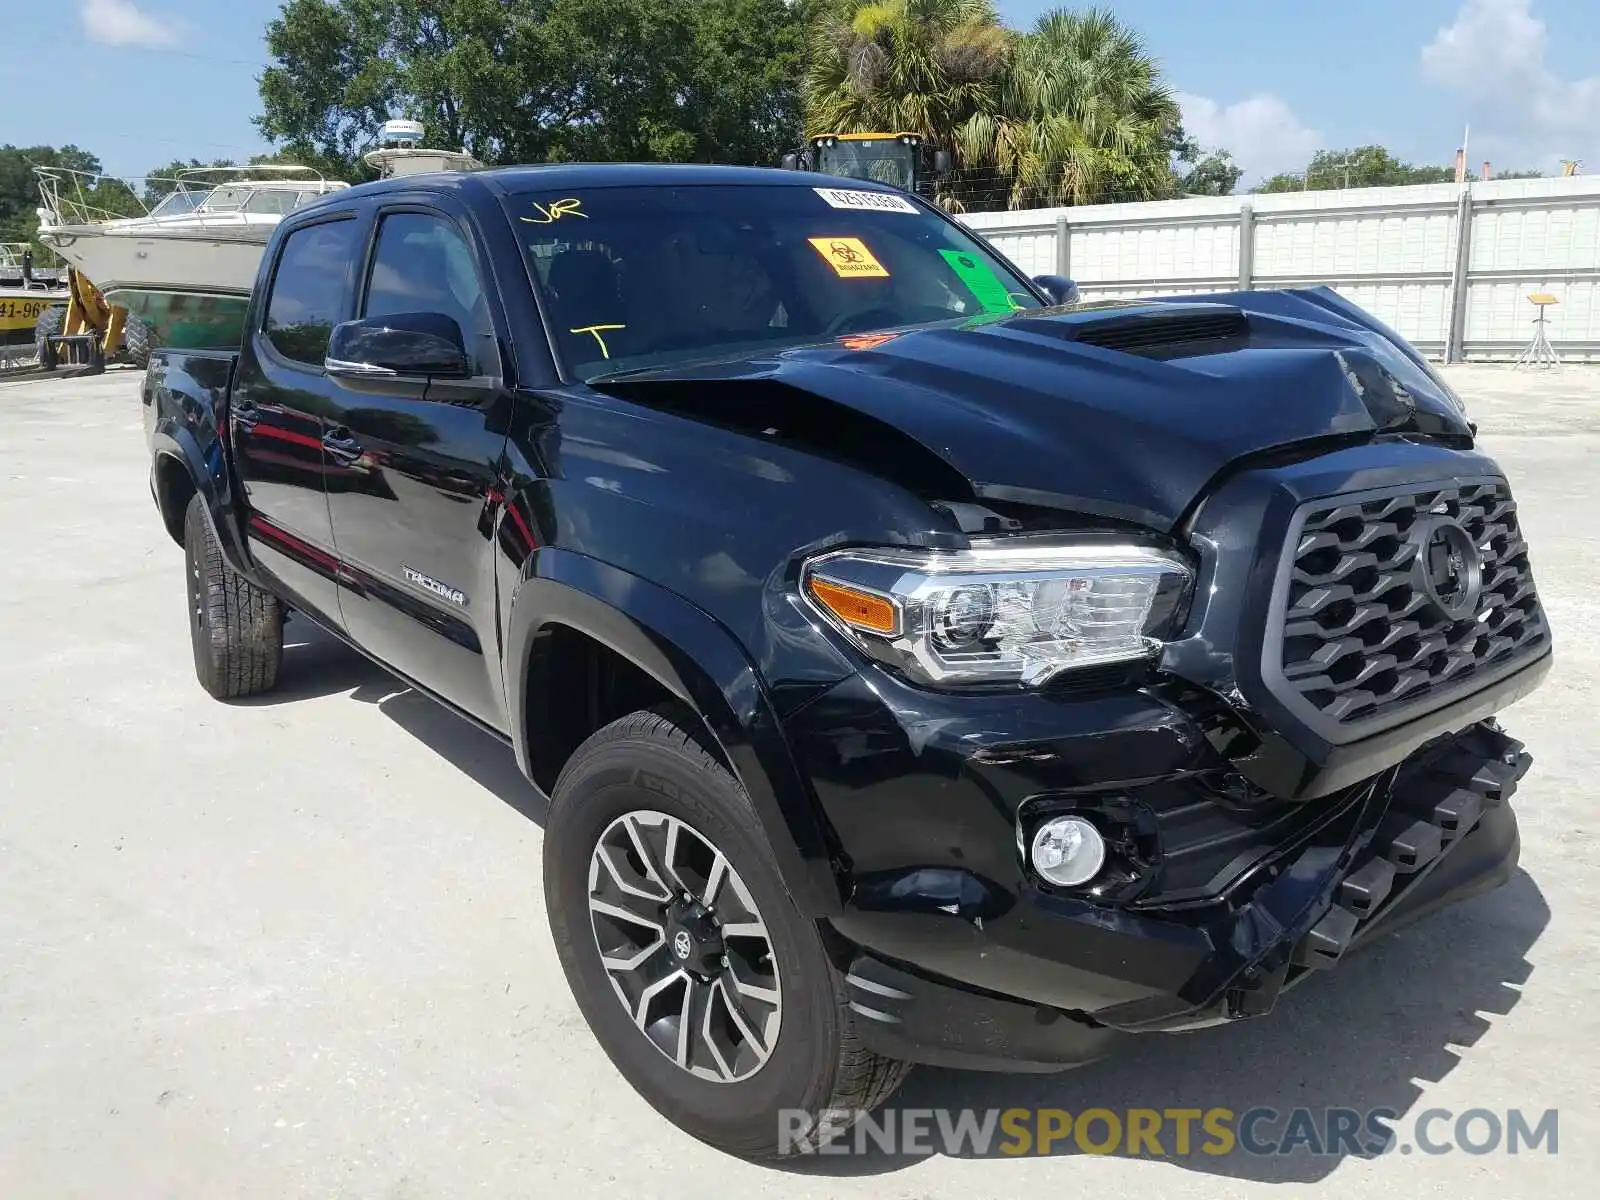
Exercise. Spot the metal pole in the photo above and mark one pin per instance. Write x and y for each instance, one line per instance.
(1063, 248)
(1455, 341)
(1247, 245)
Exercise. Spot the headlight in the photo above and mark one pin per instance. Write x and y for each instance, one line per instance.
(1011, 611)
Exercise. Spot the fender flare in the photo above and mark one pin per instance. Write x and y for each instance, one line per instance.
(174, 442)
(698, 661)
(184, 429)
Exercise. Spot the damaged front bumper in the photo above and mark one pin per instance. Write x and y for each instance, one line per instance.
(1052, 982)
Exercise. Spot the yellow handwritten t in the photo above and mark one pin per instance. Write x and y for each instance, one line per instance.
(596, 330)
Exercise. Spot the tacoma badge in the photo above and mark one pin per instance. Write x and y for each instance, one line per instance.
(454, 595)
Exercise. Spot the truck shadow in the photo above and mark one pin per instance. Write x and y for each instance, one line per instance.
(1374, 1034)
(318, 664)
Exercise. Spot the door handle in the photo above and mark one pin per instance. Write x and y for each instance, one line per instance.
(246, 414)
(341, 446)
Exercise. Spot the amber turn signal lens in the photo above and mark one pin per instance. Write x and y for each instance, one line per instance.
(861, 610)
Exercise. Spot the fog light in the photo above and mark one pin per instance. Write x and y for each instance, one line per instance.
(1068, 851)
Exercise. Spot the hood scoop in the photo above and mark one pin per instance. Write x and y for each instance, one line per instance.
(1185, 332)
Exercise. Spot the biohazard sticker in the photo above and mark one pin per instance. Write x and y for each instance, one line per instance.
(849, 258)
(866, 201)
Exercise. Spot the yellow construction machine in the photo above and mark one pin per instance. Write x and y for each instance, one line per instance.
(904, 160)
(85, 334)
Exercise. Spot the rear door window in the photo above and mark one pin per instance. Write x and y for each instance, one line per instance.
(311, 289)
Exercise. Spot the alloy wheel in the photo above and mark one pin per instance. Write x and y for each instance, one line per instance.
(684, 946)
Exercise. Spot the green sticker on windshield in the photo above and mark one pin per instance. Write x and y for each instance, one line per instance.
(981, 280)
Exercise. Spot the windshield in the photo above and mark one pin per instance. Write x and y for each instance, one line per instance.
(638, 277)
(272, 200)
(228, 197)
(178, 204)
(883, 161)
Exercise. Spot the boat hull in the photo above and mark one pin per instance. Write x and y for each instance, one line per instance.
(190, 289)
(169, 262)
(186, 320)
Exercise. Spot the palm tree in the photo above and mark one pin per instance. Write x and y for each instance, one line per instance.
(1083, 115)
(905, 65)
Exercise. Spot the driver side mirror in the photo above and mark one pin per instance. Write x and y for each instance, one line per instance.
(426, 344)
(1059, 288)
(942, 164)
(790, 161)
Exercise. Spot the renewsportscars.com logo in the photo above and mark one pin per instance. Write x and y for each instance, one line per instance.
(1170, 1132)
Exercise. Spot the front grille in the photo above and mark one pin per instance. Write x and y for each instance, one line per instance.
(1363, 641)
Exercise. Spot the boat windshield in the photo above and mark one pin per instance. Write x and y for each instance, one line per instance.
(228, 198)
(274, 200)
(179, 204)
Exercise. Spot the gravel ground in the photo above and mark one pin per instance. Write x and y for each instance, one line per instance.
(297, 947)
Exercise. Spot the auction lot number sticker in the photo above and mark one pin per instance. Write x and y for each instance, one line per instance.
(866, 201)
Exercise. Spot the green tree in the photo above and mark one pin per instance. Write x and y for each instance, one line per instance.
(536, 80)
(1203, 172)
(82, 184)
(1364, 166)
(923, 66)
(1072, 112)
(1084, 116)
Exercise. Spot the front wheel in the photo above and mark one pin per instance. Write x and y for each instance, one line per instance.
(48, 326)
(138, 340)
(709, 990)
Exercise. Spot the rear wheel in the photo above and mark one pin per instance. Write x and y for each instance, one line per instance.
(701, 979)
(235, 627)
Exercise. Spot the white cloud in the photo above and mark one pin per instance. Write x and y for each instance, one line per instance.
(1494, 55)
(123, 23)
(1261, 132)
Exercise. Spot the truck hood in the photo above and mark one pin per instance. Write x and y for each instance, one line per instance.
(1120, 410)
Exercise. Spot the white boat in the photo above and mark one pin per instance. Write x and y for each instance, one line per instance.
(185, 268)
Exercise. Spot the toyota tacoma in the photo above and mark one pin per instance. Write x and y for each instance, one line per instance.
(922, 664)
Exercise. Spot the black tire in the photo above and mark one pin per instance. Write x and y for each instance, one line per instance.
(49, 325)
(236, 628)
(138, 339)
(817, 1065)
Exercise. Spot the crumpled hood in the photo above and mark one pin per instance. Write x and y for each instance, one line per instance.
(1120, 410)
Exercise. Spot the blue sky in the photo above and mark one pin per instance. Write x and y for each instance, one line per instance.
(140, 82)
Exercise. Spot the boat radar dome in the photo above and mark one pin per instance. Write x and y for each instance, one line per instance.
(400, 152)
(400, 132)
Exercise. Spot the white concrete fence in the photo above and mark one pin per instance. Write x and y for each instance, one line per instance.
(1450, 267)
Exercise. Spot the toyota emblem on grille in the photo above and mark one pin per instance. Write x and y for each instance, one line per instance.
(1448, 566)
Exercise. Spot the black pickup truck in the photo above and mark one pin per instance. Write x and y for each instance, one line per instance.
(921, 666)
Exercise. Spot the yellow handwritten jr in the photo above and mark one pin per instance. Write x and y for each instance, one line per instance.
(570, 207)
(596, 330)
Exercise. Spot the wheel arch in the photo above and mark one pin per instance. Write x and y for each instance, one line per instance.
(178, 471)
(655, 648)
